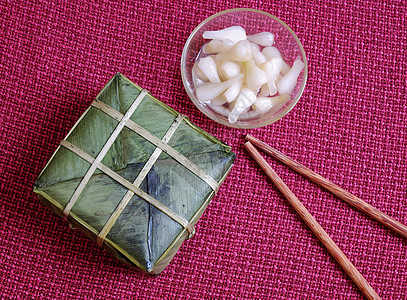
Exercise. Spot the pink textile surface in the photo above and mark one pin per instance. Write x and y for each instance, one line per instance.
(349, 126)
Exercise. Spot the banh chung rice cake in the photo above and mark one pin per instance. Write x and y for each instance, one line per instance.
(134, 175)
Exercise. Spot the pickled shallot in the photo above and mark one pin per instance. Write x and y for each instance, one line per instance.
(243, 75)
(272, 69)
(255, 77)
(234, 34)
(273, 52)
(229, 69)
(264, 104)
(289, 81)
(246, 98)
(216, 46)
(208, 66)
(209, 91)
(241, 51)
(263, 38)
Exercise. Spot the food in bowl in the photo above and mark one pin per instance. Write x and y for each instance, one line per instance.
(237, 74)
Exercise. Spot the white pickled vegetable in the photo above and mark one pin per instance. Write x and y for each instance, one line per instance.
(232, 106)
(198, 77)
(229, 69)
(279, 77)
(208, 91)
(218, 101)
(222, 110)
(264, 91)
(234, 34)
(265, 104)
(272, 52)
(245, 99)
(258, 57)
(263, 38)
(241, 76)
(272, 69)
(289, 81)
(197, 73)
(217, 46)
(241, 51)
(208, 67)
(231, 93)
(255, 46)
(285, 68)
(255, 77)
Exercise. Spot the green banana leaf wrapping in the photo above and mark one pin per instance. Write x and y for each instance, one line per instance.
(142, 236)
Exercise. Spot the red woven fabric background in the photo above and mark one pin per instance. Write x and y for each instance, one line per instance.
(350, 126)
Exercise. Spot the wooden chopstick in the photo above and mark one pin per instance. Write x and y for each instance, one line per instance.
(332, 187)
(329, 244)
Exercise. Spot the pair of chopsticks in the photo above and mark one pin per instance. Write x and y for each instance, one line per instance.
(330, 245)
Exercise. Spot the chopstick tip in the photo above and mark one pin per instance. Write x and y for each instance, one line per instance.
(249, 146)
(248, 136)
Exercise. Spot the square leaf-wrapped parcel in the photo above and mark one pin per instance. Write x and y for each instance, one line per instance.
(134, 175)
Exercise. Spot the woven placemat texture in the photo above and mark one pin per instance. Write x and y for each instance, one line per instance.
(350, 126)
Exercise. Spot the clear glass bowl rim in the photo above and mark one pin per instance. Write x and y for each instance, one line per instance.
(213, 116)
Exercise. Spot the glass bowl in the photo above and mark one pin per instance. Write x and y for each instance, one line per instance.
(253, 21)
